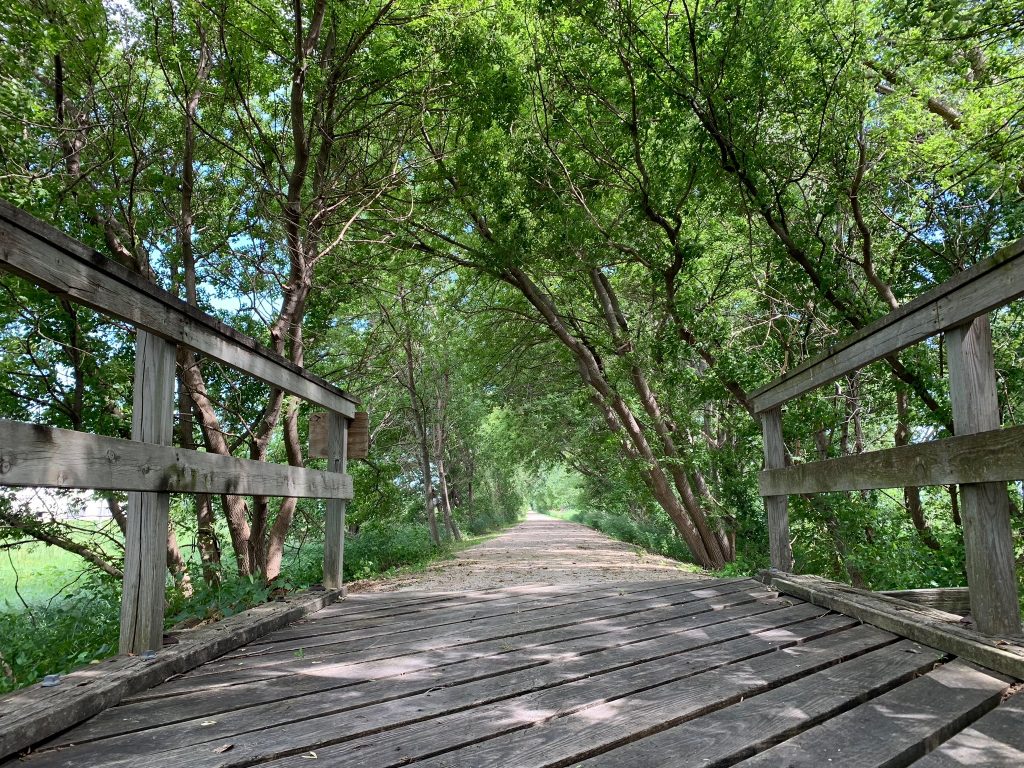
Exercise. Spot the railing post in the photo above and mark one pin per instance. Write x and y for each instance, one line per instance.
(334, 524)
(984, 507)
(145, 545)
(776, 507)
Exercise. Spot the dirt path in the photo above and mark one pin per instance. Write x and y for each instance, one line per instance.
(541, 550)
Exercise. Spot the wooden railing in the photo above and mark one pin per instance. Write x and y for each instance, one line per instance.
(148, 466)
(982, 458)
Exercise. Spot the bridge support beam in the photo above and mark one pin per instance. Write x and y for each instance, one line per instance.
(776, 507)
(145, 545)
(334, 524)
(984, 507)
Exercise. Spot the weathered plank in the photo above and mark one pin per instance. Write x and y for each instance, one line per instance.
(994, 741)
(406, 698)
(46, 457)
(776, 505)
(925, 625)
(145, 539)
(449, 732)
(897, 727)
(328, 656)
(974, 292)
(568, 739)
(739, 730)
(264, 743)
(334, 518)
(33, 714)
(359, 436)
(66, 267)
(984, 507)
(949, 599)
(991, 456)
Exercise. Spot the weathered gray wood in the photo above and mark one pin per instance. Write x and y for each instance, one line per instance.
(994, 741)
(776, 505)
(334, 521)
(931, 708)
(925, 625)
(326, 655)
(359, 436)
(317, 436)
(33, 714)
(729, 734)
(568, 739)
(37, 251)
(974, 292)
(512, 674)
(642, 665)
(40, 456)
(145, 540)
(949, 599)
(994, 455)
(984, 507)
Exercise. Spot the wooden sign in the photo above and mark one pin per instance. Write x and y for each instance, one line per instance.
(358, 436)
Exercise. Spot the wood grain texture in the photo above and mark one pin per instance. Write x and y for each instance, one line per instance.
(737, 731)
(925, 625)
(932, 708)
(994, 741)
(994, 455)
(145, 540)
(41, 456)
(984, 507)
(949, 599)
(66, 267)
(334, 518)
(974, 292)
(776, 505)
(30, 715)
(359, 436)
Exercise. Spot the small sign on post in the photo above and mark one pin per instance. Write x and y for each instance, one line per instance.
(358, 436)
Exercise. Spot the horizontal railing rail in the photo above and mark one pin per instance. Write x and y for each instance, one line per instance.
(148, 466)
(981, 458)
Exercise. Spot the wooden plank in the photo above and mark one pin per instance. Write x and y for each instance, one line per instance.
(949, 599)
(984, 507)
(565, 740)
(317, 436)
(732, 733)
(897, 727)
(30, 715)
(266, 741)
(776, 505)
(994, 741)
(991, 456)
(359, 436)
(440, 736)
(321, 654)
(392, 700)
(334, 518)
(925, 625)
(145, 539)
(974, 292)
(66, 267)
(39, 456)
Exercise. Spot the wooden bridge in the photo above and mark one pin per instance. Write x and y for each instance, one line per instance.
(795, 671)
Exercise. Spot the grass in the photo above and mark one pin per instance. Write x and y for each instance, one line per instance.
(37, 572)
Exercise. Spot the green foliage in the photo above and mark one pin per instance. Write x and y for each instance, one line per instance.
(53, 638)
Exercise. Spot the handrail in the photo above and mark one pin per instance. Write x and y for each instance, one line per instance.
(974, 292)
(981, 458)
(53, 261)
(148, 466)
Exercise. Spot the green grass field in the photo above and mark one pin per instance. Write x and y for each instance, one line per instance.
(36, 572)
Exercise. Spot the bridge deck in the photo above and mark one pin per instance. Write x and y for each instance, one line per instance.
(658, 673)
